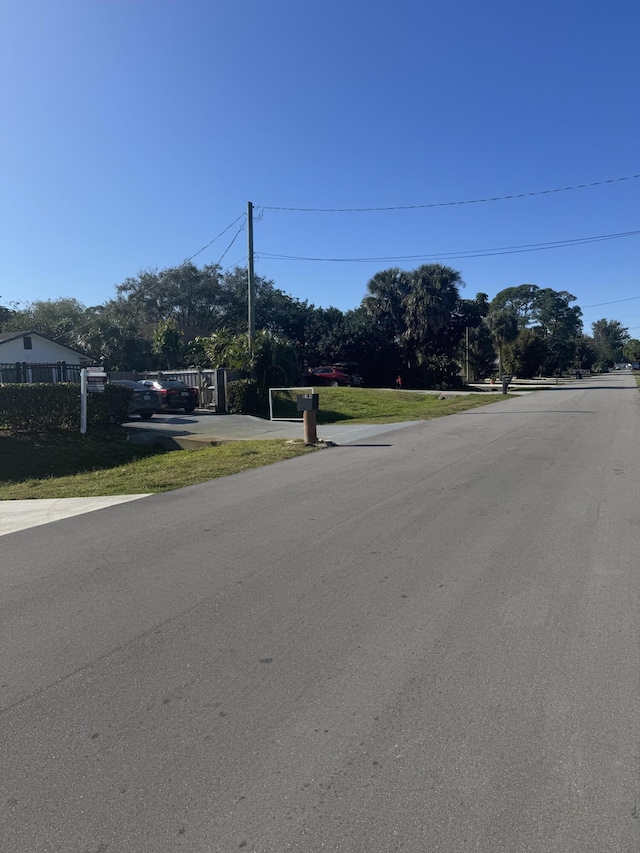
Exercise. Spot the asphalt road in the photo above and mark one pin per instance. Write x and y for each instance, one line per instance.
(425, 642)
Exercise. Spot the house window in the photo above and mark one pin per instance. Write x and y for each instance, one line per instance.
(26, 343)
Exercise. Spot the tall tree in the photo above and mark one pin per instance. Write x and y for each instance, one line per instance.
(481, 353)
(431, 302)
(609, 338)
(631, 350)
(545, 311)
(62, 320)
(5, 316)
(586, 354)
(520, 301)
(186, 294)
(387, 294)
(559, 325)
(524, 356)
(502, 322)
(168, 342)
(421, 311)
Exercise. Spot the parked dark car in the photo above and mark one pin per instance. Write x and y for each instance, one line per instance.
(145, 401)
(329, 375)
(173, 394)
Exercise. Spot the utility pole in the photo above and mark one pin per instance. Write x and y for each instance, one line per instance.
(250, 280)
(467, 352)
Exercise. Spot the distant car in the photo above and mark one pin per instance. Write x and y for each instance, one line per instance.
(145, 401)
(350, 367)
(173, 394)
(333, 376)
(635, 366)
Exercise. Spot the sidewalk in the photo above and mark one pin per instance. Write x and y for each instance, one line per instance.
(19, 515)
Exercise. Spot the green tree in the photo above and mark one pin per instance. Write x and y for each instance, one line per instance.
(422, 313)
(559, 325)
(526, 354)
(444, 356)
(586, 354)
(386, 299)
(186, 294)
(168, 342)
(631, 350)
(110, 335)
(502, 322)
(431, 302)
(520, 301)
(62, 320)
(609, 338)
(547, 312)
(5, 316)
(482, 354)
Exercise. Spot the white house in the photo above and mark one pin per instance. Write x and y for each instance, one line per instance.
(40, 359)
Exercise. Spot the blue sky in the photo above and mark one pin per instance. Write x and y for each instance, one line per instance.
(135, 131)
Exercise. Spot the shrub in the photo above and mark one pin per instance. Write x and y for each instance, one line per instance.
(43, 407)
(242, 397)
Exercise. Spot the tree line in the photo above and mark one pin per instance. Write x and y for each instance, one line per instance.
(410, 323)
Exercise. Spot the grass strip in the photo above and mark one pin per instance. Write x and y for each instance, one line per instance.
(158, 472)
(381, 406)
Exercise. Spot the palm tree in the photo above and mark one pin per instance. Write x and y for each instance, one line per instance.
(418, 306)
(388, 290)
(503, 325)
(430, 303)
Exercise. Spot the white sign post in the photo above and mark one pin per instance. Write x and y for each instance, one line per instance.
(92, 379)
(83, 400)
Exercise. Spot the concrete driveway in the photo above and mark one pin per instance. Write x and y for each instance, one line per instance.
(206, 427)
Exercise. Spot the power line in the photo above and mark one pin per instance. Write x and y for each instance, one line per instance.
(448, 203)
(612, 302)
(214, 239)
(470, 253)
(235, 264)
(239, 231)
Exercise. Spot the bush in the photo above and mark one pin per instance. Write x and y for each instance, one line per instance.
(243, 397)
(47, 407)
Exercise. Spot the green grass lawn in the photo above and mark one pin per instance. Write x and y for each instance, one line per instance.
(86, 466)
(71, 465)
(380, 406)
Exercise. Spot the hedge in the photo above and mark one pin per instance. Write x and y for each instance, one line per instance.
(41, 407)
(242, 397)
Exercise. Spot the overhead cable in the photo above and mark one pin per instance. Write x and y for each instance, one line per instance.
(231, 243)
(214, 239)
(469, 253)
(612, 302)
(448, 203)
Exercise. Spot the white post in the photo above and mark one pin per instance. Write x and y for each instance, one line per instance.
(83, 400)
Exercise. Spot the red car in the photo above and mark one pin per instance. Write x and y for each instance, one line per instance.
(173, 394)
(331, 376)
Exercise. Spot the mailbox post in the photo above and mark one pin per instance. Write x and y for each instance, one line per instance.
(308, 405)
(506, 379)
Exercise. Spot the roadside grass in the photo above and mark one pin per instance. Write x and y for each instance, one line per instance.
(381, 406)
(65, 465)
(51, 455)
(138, 469)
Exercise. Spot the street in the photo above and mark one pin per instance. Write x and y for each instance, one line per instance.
(426, 640)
